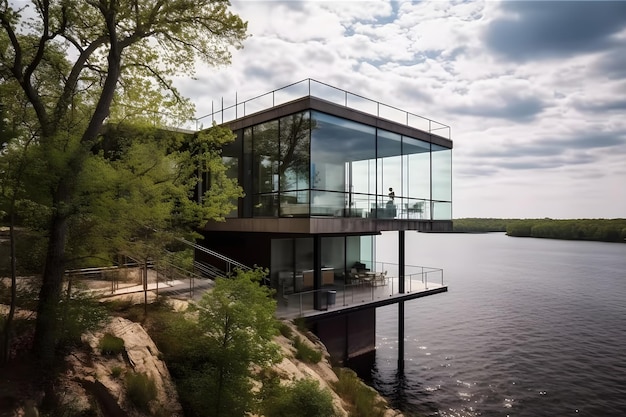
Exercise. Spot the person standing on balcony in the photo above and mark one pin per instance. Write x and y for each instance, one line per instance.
(390, 211)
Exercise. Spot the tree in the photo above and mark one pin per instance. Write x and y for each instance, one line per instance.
(238, 318)
(124, 53)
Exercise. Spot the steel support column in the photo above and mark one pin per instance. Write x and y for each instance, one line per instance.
(317, 272)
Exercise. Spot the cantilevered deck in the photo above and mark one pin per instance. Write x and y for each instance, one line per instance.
(366, 292)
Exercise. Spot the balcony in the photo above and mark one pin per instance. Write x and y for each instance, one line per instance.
(366, 290)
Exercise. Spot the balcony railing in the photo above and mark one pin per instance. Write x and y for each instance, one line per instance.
(349, 292)
(310, 87)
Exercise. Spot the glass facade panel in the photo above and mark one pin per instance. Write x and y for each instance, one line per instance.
(333, 254)
(282, 266)
(294, 152)
(246, 179)
(342, 153)
(327, 203)
(294, 204)
(416, 168)
(314, 164)
(389, 173)
(442, 173)
(265, 168)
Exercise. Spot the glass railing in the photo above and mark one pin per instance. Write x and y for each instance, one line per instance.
(378, 283)
(309, 87)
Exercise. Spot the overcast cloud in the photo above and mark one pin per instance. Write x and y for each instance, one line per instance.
(533, 90)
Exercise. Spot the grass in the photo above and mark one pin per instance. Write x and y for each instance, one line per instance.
(116, 371)
(285, 330)
(362, 399)
(140, 389)
(306, 353)
(111, 345)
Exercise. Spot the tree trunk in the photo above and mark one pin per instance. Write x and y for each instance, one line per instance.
(145, 288)
(46, 331)
(6, 345)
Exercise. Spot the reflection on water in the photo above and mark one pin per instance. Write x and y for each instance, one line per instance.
(529, 327)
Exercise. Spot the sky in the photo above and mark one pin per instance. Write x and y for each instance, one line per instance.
(534, 91)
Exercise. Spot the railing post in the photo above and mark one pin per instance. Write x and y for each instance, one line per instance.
(401, 251)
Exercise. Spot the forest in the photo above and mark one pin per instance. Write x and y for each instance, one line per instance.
(602, 230)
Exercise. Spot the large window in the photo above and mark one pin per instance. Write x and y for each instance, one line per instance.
(314, 164)
(265, 168)
(341, 156)
(293, 169)
(389, 174)
(441, 183)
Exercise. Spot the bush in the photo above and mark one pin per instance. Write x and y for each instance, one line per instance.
(362, 399)
(116, 371)
(304, 398)
(78, 314)
(140, 389)
(306, 353)
(300, 323)
(285, 330)
(110, 345)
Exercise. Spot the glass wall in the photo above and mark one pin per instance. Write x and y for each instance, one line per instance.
(341, 156)
(441, 183)
(389, 174)
(265, 168)
(293, 169)
(416, 178)
(315, 164)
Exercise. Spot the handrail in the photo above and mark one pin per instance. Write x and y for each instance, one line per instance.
(346, 94)
(217, 255)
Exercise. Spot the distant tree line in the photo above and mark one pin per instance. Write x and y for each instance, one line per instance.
(603, 230)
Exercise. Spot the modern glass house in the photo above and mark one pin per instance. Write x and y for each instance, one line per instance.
(324, 171)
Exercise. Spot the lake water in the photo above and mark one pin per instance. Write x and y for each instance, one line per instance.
(529, 327)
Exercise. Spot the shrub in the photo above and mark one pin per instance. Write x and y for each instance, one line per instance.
(140, 389)
(111, 345)
(304, 398)
(306, 353)
(362, 399)
(285, 330)
(300, 323)
(116, 371)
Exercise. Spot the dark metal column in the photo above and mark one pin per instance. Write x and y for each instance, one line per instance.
(401, 336)
(402, 290)
(317, 271)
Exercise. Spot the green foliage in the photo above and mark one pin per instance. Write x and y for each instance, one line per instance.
(211, 359)
(285, 330)
(116, 371)
(605, 230)
(480, 225)
(56, 101)
(361, 398)
(306, 353)
(140, 389)
(238, 318)
(302, 398)
(300, 323)
(78, 314)
(111, 345)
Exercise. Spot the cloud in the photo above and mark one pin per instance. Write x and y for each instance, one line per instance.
(508, 106)
(531, 30)
(533, 90)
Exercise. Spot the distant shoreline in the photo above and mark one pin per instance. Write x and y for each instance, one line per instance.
(599, 230)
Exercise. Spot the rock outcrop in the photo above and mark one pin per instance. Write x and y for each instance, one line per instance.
(94, 376)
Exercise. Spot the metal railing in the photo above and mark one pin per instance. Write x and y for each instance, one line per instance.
(314, 88)
(230, 264)
(345, 293)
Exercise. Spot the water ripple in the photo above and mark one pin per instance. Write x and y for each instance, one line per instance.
(530, 327)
